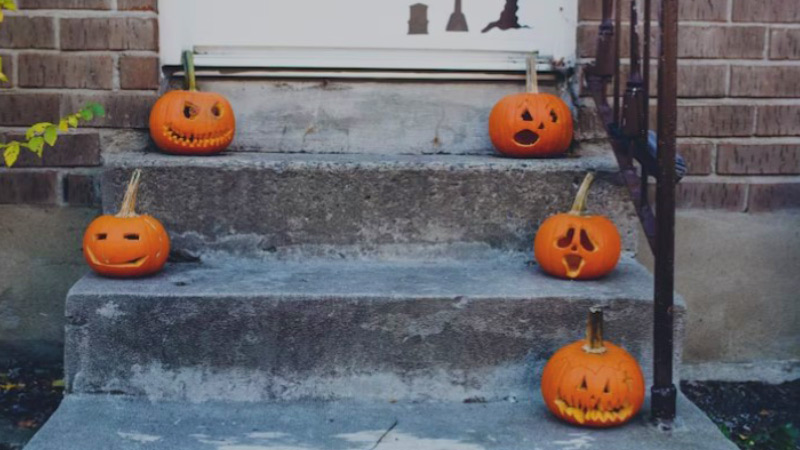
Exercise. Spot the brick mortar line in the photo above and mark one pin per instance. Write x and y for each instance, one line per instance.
(729, 12)
(713, 156)
(744, 140)
(78, 91)
(699, 23)
(713, 61)
(52, 51)
(115, 73)
(81, 13)
(747, 179)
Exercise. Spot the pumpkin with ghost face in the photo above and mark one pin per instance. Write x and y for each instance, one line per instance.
(192, 122)
(591, 382)
(577, 246)
(531, 125)
(127, 244)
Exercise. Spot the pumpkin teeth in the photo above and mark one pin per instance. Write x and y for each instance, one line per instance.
(582, 415)
(196, 140)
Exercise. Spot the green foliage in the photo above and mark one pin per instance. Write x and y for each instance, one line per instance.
(783, 437)
(43, 133)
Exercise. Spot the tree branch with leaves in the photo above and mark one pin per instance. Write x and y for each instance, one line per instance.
(42, 133)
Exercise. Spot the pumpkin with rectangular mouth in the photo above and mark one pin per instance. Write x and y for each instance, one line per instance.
(577, 246)
(591, 382)
(126, 244)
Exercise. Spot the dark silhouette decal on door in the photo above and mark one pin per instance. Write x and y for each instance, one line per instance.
(418, 22)
(458, 21)
(508, 18)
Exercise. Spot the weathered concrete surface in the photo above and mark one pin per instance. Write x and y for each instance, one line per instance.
(246, 330)
(360, 116)
(251, 202)
(739, 275)
(119, 423)
(40, 258)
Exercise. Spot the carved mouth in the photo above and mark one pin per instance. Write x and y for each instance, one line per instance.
(136, 262)
(526, 138)
(582, 415)
(573, 264)
(197, 140)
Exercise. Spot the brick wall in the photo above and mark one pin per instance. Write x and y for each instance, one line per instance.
(59, 54)
(739, 100)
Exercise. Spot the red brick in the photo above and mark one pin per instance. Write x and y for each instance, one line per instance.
(96, 33)
(728, 196)
(587, 41)
(697, 157)
(81, 190)
(784, 43)
(765, 81)
(72, 149)
(694, 80)
(721, 42)
(774, 196)
(713, 120)
(26, 109)
(27, 32)
(64, 4)
(758, 159)
(778, 120)
(66, 71)
(28, 186)
(700, 10)
(137, 5)
(8, 69)
(139, 72)
(123, 110)
(783, 11)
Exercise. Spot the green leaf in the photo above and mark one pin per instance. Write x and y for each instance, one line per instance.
(50, 135)
(36, 145)
(3, 77)
(72, 121)
(86, 114)
(37, 128)
(1, 15)
(11, 153)
(63, 125)
(10, 5)
(97, 109)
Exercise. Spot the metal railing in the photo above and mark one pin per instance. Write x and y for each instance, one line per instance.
(626, 120)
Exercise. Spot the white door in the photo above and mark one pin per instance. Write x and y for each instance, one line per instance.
(486, 35)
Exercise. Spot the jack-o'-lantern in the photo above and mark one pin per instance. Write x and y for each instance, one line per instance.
(577, 246)
(191, 122)
(591, 382)
(531, 124)
(127, 244)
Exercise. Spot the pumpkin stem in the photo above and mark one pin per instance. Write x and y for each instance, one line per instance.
(128, 208)
(579, 205)
(188, 70)
(594, 331)
(531, 77)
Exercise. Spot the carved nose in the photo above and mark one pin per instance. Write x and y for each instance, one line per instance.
(574, 248)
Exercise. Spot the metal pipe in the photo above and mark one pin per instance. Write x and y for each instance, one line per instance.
(617, 46)
(663, 391)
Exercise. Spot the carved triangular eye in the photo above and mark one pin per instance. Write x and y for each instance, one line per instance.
(526, 116)
(586, 242)
(607, 388)
(553, 116)
(565, 241)
(583, 385)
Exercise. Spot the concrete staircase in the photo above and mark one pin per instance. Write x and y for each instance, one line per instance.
(357, 300)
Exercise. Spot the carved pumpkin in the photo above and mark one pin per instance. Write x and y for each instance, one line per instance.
(531, 124)
(192, 122)
(577, 246)
(591, 382)
(127, 244)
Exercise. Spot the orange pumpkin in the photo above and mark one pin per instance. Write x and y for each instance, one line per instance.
(577, 246)
(127, 244)
(531, 124)
(192, 122)
(591, 382)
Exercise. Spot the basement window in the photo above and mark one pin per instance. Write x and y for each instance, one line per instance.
(399, 35)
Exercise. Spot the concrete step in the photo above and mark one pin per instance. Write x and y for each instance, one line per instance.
(287, 329)
(361, 116)
(120, 423)
(260, 202)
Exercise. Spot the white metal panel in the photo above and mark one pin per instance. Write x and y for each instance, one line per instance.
(364, 33)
